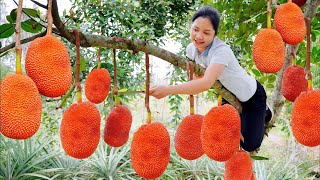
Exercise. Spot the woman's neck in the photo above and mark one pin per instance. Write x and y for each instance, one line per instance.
(200, 51)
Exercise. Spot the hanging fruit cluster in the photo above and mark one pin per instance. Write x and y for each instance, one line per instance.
(217, 134)
(268, 52)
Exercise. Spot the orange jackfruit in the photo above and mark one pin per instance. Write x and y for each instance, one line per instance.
(97, 85)
(48, 65)
(299, 2)
(20, 107)
(117, 128)
(220, 132)
(238, 167)
(80, 130)
(268, 51)
(252, 176)
(305, 121)
(187, 141)
(293, 82)
(289, 22)
(150, 150)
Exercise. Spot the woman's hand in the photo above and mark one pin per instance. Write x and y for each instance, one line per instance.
(159, 91)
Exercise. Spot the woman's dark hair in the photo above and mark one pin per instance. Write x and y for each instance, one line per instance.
(211, 13)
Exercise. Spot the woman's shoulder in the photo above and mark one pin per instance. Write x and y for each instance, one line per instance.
(219, 45)
(190, 50)
(190, 46)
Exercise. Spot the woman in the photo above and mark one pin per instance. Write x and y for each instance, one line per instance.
(221, 64)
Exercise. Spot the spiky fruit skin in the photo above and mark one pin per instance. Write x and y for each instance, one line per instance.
(289, 22)
(48, 65)
(220, 132)
(117, 128)
(20, 107)
(187, 141)
(97, 85)
(268, 51)
(150, 150)
(252, 176)
(293, 82)
(238, 167)
(80, 130)
(305, 117)
(300, 3)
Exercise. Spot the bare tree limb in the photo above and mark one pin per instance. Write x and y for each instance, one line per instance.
(64, 32)
(23, 41)
(39, 4)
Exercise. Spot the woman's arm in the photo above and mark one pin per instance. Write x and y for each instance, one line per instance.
(192, 87)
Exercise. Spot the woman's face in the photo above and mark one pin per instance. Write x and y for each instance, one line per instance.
(202, 33)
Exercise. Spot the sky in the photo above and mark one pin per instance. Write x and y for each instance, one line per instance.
(63, 4)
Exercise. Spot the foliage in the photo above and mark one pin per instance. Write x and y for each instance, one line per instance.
(4, 70)
(290, 167)
(132, 19)
(42, 156)
(175, 100)
(31, 25)
(25, 159)
(240, 22)
(110, 163)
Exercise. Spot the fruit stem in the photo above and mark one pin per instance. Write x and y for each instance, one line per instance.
(307, 68)
(191, 98)
(65, 97)
(219, 100)
(49, 18)
(147, 86)
(77, 78)
(310, 85)
(99, 55)
(269, 13)
(115, 83)
(18, 43)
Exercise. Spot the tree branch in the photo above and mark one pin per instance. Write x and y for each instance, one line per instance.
(64, 32)
(26, 40)
(39, 4)
(89, 40)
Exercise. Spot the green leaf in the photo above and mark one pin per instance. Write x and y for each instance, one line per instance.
(9, 19)
(31, 12)
(243, 27)
(82, 64)
(13, 15)
(259, 158)
(256, 72)
(6, 30)
(123, 90)
(28, 11)
(31, 26)
(270, 86)
(272, 78)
